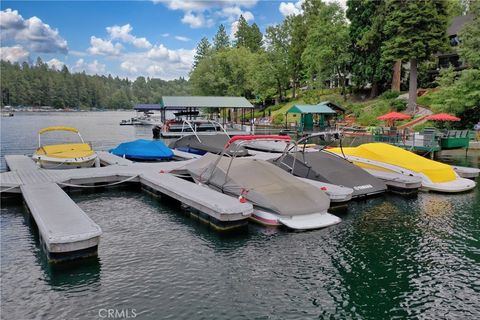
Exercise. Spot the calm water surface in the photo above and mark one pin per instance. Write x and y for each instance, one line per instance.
(391, 257)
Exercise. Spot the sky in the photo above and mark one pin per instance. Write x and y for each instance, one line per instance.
(155, 39)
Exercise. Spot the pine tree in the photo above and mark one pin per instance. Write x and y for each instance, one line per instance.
(203, 49)
(255, 38)
(221, 41)
(414, 30)
(366, 36)
(242, 33)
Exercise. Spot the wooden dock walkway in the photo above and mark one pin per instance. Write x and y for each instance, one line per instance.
(67, 232)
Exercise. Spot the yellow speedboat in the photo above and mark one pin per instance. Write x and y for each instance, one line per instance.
(436, 176)
(64, 156)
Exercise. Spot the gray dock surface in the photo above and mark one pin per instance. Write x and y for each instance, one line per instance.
(63, 226)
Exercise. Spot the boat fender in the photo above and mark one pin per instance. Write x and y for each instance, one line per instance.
(163, 171)
(323, 188)
(241, 198)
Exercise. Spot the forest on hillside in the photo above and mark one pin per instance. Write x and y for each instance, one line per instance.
(39, 85)
(322, 46)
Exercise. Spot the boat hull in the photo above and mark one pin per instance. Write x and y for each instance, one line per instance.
(64, 163)
(303, 222)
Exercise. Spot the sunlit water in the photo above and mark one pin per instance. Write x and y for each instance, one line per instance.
(391, 257)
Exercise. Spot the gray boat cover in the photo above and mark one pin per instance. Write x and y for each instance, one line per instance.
(261, 183)
(209, 143)
(326, 167)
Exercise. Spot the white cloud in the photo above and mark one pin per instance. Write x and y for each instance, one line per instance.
(248, 16)
(165, 35)
(124, 33)
(104, 47)
(129, 67)
(184, 39)
(195, 21)
(200, 14)
(199, 5)
(14, 54)
(233, 29)
(55, 64)
(91, 68)
(290, 8)
(31, 33)
(158, 62)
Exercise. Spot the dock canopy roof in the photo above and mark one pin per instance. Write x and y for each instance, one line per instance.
(147, 107)
(179, 102)
(333, 105)
(311, 108)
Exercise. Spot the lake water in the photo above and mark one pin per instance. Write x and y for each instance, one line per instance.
(391, 257)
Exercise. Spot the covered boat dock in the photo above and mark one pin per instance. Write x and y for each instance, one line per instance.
(189, 106)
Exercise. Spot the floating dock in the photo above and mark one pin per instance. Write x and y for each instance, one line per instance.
(66, 232)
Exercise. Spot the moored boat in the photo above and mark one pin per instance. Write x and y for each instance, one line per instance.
(143, 150)
(435, 176)
(64, 156)
(278, 197)
(325, 167)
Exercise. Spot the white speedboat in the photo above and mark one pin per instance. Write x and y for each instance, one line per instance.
(64, 156)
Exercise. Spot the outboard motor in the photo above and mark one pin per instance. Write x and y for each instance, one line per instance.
(156, 132)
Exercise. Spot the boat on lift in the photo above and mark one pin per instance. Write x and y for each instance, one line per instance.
(382, 157)
(278, 197)
(201, 143)
(64, 156)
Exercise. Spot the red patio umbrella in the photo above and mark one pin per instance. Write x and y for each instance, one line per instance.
(442, 117)
(394, 116)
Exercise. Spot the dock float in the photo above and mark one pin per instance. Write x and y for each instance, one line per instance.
(221, 211)
(66, 232)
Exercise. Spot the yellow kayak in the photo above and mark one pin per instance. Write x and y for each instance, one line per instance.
(64, 156)
(435, 175)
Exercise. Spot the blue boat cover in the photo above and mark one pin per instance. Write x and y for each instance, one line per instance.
(143, 150)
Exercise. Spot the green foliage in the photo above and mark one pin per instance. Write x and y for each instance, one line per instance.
(469, 48)
(415, 29)
(398, 104)
(366, 36)
(221, 40)
(326, 52)
(255, 38)
(242, 33)
(225, 73)
(204, 48)
(459, 95)
(368, 115)
(39, 85)
(248, 36)
(278, 119)
(389, 94)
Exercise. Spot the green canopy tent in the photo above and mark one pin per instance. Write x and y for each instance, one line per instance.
(307, 111)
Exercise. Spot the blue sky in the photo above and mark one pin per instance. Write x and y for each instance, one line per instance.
(125, 38)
